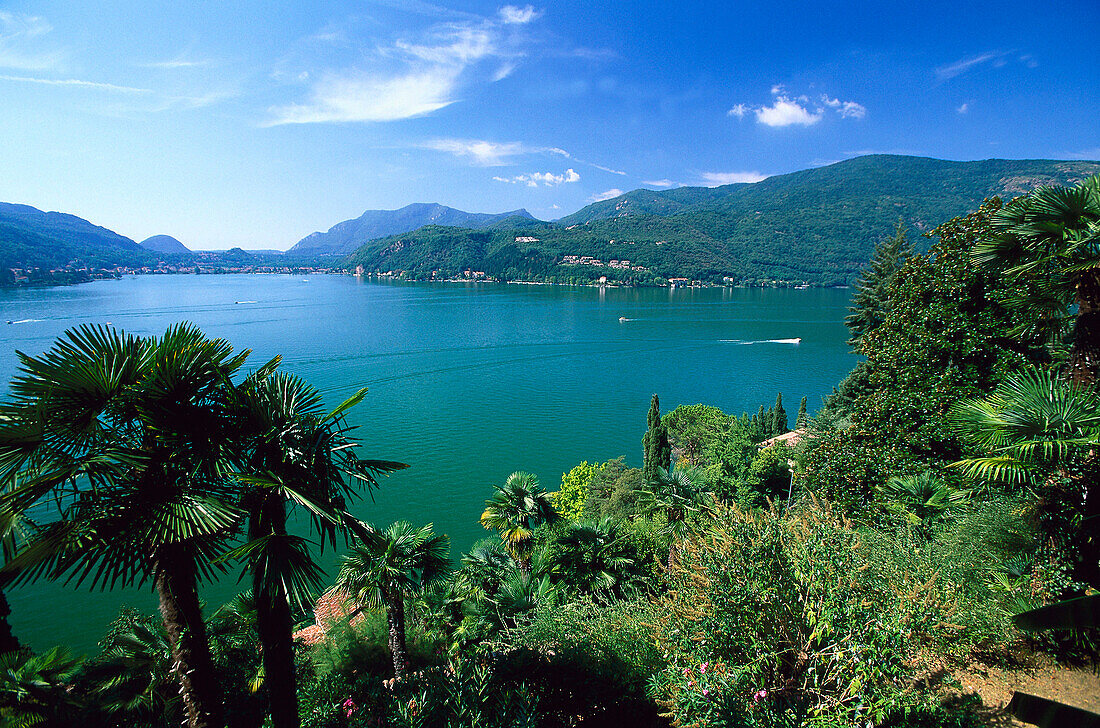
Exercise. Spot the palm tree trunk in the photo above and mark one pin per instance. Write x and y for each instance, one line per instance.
(1084, 355)
(7, 639)
(395, 615)
(275, 628)
(175, 582)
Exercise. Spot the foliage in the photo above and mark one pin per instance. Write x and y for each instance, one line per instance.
(33, 688)
(569, 501)
(1040, 431)
(945, 337)
(1049, 242)
(773, 620)
(615, 491)
(870, 299)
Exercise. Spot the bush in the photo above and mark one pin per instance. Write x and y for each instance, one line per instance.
(779, 620)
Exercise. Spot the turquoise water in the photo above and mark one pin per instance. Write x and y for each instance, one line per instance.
(468, 382)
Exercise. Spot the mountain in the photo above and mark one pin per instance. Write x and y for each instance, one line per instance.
(164, 244)
(30, 237)
(817, 225)
(346, 236)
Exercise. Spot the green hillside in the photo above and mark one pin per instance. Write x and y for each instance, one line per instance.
(817, 225)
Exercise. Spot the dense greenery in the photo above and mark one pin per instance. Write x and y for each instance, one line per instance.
(840, 581)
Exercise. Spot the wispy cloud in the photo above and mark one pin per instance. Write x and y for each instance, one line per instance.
(788, 110)
(659, 183)
(607, 195)
(964, 108)
(481, 152)
(21, 43)
(180, 62)
(513, 15)
(547, 179)
(77, 83)
(716, 179)
(993, 59)
(407, 77)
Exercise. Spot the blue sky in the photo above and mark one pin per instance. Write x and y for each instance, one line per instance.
(254, 124)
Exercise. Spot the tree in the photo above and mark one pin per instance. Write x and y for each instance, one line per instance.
(1049, 241)
(33, 688)
(920, 498)
(801, 419)
(569, 501)
(870, 301)
(677, 493)
(693, 428)
(128, 438)
(295, 454)
(515, 510)
(657, 451)
(1035, 426)
(383, 568)
(779, 416)
(593, 558)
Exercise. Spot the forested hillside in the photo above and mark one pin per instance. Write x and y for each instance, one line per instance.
(815, 226)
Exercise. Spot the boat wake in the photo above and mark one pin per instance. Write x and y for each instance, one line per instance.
(245, 302)
(24, 321)
(762, 341)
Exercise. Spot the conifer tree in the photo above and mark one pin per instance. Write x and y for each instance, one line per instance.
(868, 308)
(779, 416)
(800, 419)
(655, 445)
(763, 422)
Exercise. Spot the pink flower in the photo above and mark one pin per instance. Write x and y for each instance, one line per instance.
(759, 695)
(703, 668)
(349, 707)
(706, 693)
(687, 672)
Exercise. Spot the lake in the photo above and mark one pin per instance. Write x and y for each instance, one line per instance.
(468, 382)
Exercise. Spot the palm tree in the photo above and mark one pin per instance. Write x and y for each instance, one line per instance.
(1049, 241)
(33, 688)
(593, 558)
(516, 509)
(677, 493)
(128, 437)
(385, 567)
(1032, 426)
(920, 498)
(294, 454)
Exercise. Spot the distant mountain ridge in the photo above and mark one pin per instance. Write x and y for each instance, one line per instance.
(346, 236)
(164, 244)
(817, 225)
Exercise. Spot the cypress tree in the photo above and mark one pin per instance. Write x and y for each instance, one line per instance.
(868, 308)
(779, 416)
(763, 422)
(800, 420)
(655, 445)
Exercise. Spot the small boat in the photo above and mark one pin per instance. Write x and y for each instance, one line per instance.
(622, 319)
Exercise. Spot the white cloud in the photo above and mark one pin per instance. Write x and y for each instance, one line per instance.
(408, 77)
(785, 112)
(778, 89)
(372, 98)
(20, 46)
(547, 179)
(964, 108)
(739, 110)
(512, 15)
(846, 109)
(715, 179)
(76, 83)
(608, 195)
(659, 183)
